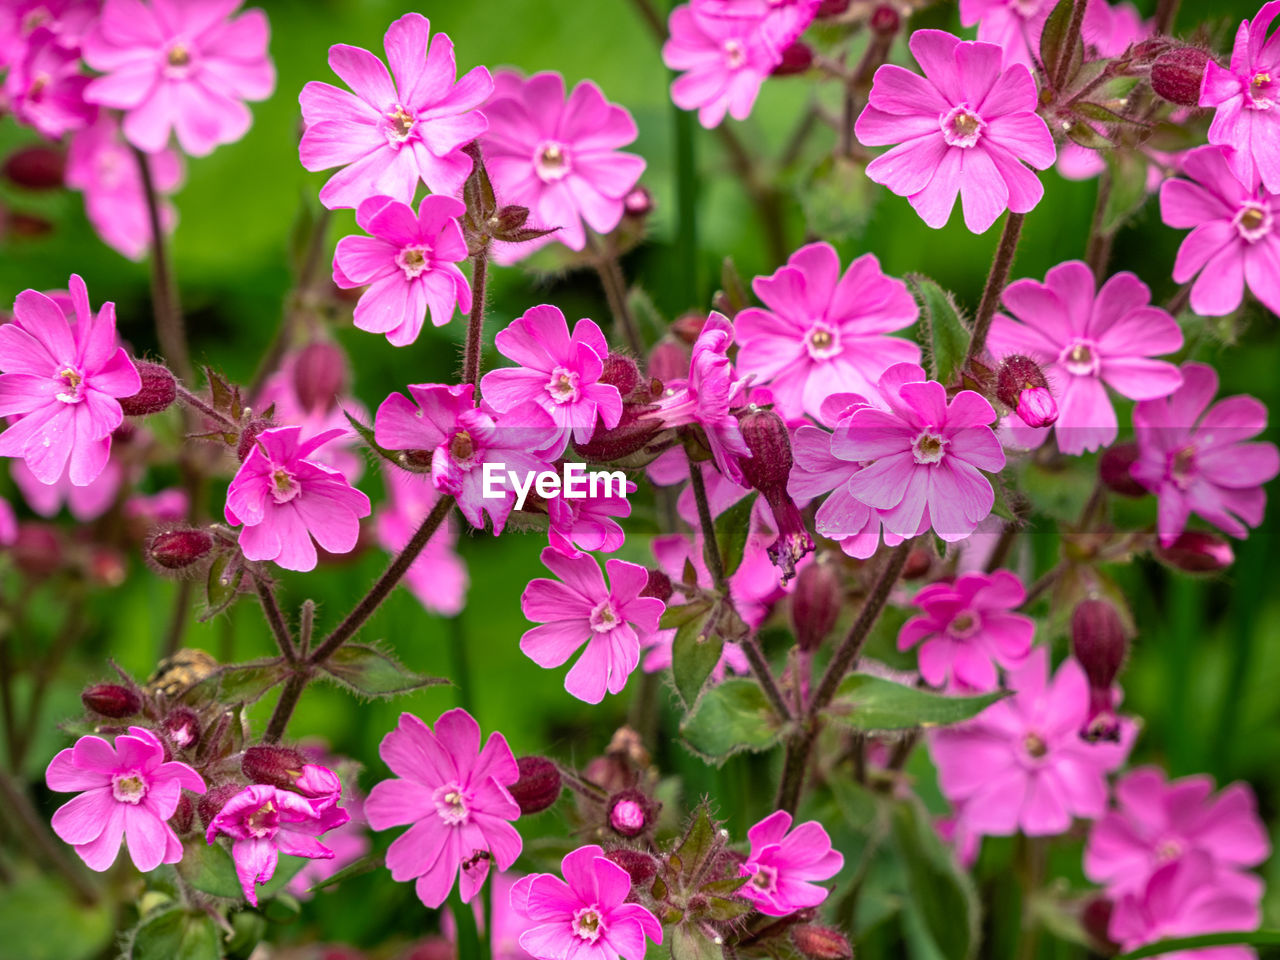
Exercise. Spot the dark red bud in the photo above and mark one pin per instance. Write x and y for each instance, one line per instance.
(640, 866)
(539, 785)
(183, 727)
(632, 434)
(319, 375)
(638, 202)
(211, 804)
(885, 20)
(29, 225)
(1197, 552)
(275, 766)
(631, 813)
(511, 218)
(1177, 74)
(1100, 643)
(184, 815)
(767, 470)
(821, 943)
(111, 700)
(36, 168)
(796, 58)
(1113, 470)
(831, 8)
(669, 360)
(37, 550)
(249, 436)
(688, 326)
(621, 372)
(179, 549)
(815, 605)
(1095, 917)
(919, 563)
(158, 391)
(1021, 386)
(659, 586)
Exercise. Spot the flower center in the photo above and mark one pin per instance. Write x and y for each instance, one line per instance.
(400, 124)
(765, 878)
(928, 448)
(462, 449)
(451, 804)
(1168, 849)
(1253, 222)
(588, 925)
(284, 485)
(964, 624)
(1182, 467)
(1080, 358)
(72, 385)
(961, 126)
(551, 162)
(37, 86)
(129, 787)
(1035, 746)
(264, 821)
(563, 385)
(413, 261)
(822, 341)
(1261, 92)
(179, 55)
(604, 618)
(735, 54)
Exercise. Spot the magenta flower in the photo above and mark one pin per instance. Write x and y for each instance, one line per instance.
(128, 791)
(821, 332)
(62, 381)
(560, 159)
(344, 452)
(284, 499)
(611, 618)
(1233, 241)
(1196, 458)
(1085, 343)
(438, 578)
(348, 843)
(968, 627)
(185, 69)
(85, 503)
(1244, 96)
(391, 133)
(587, 523)
(1012, 25)
(558, 372)
(264, 822)
(441, 423)
(784, 864)
(1021, 764)
(456, 797)
(966, 127)
(409, 265)
(1156, 821)
(586, 915)
(46, 88)
(724, 60)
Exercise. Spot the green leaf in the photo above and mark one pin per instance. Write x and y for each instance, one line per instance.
(1053, 39)
(222, 584)
(732, 528)
(734, 290)
(731, 716)
(360, 867)
(700, 844)
(948, 336)
(246, 682)
(941, 895)
(1128, 192)
(837, 198)
(694, 654)
(42, 921)
(690, 943)
(210, 869)
(1096, 111)
(677, 616)
(865, 702)
(372, 673)
(176, 935)
(286, 870)
(1251, 938)
(1087, 136)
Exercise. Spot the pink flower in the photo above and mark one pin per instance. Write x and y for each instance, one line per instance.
(1244, 96)
(460, 438)
(1085, 343)
(62, 380)
(968, 627)
(67, 20)
(507, 924)
(409, 265)
(344, 452)
(558, 372)
(438, 578)
(284, 499)
(1021, 764)
(586, 917)
(587, 523)
(612, 619)
(46, 88)
(823, 333)
(390, 134)
(1156, 821)
(456, 797)
(784, 864)
(560, 159)
(966, 127)
(8, 523)
(1196, 458)
(1012, 25)
(348, 843)
(263, 822)
(85, 503)
(101, 166)
(1234, 240)
(129, 791)
(185, 68)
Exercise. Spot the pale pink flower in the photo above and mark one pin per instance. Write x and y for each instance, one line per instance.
(348, 843)
(344, 452)
(1085, 342)
(1012, 25)
(63, 381)
(264, 822)
(560, 159)
(456, 797)
(438, 578)
(784, 865)
(67, 20)
(587, 523)
(391, 133)
(780, 22)
(84, 503)
(586, 915)
(185, 68)
(1234, 240)
(409, 265)
(822, 332)
(284, 499)
(611, 618)
(968, 628)
(166, 506)
(128, 792)
(1197, 458)
(558, 372)
(1109, 30)
(1021, 764)
(46, 88)
(967, 126)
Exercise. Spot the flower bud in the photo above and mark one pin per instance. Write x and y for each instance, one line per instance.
(319, 375)
(767, 470)
(180, 548)
(249, 436)
(157, 392)
(1177, 74)
(36, 168)
(815, 604)
(1100, 643)
(621, 372)
(37, 550)
(821, 943)
(1021, 386)
(630, 813)
(183, 727)
(831, 8)
(275, 766)
(885, 20)
(105, 567)
(1095, 917)
(1197, 552)
(632, 434)
(668, 360)
(659, 586)
(796, 58)
(688, 326)
(1113, 470)
(317, 783)
(184, 815)
(27, 225)
(211, 803)
(638, 202)
(919, 563)
(640, 866)
(539, 785)
(111, 700)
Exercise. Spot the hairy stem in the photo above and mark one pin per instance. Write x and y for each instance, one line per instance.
(170, 329)
(615, 291)
(1001, 264)
(795, 764)
(178, 618)
(306, 626)
(192, 400)
(275, 619)
(1166, 14)
(1098, 249)
(1067, 52)
(283, 712)
(710, 547)
(475, 321)
(764, 676)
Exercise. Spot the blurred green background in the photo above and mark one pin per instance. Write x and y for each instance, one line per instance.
(1205, 666)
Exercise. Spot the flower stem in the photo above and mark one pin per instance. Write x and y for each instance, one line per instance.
(1001, 264)
(170, 329)
(275, 619)
(283, 712)
(615, 291)
(191, 400)
(306, 624)
(475, 321)
(1098, 249)
(1067, 51)
(710, 547)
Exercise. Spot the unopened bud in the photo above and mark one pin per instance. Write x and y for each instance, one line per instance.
(183, 727)
(211, 803)
(249, 436)
(179, 549)
(767, 470)
(157, 392)
(36, 168)
(319, 375)
(275, 766)
(634, 432)
(1021, 386)
(1114, 470)
(885, 20)
(815, 605)
(831, 8)
(689, 326)
(37, 550)
(1197, 552)
(659, 585)
(621, 372)
(1177, 74)
(669, 360)
(919, 563)
(1100, 643)
(638, 202)
(184, 816)
(28, 225)
(539, 785)
(796, 58)
(510, 218)
(111, 700)
(630, 813)
(821, 943)
(1095, 917)
(640, 866)
(316, 782)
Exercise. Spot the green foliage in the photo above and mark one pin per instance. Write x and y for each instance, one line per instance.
(40, 920)
(732, 529)
(176, 935)
(869, 703)
(731, 717)
(373, 673)
(948, 337)
(695, 651)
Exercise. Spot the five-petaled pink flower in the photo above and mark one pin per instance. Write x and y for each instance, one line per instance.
(1012, 25)
(62, 382)
(1234, 239)
(586, 915)
(968, 627)
(438, 578)
(822, 333)
(391, 133)
(456, 797)
(1021, 764)
(587, 523)
(264, 822)
(409, 265)
(784, 865)
(1085, 343)
(611, 618)
(966, 127)
(184, 68)
(129, 791)
(46, 88)
(558, 372)
(284, 499)
(560, 159)
(1197, 458)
